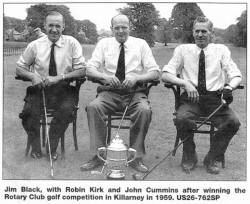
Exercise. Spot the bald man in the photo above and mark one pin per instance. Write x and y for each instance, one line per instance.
(107, 65)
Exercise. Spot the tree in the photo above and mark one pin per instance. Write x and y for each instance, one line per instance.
(237, 33)
(163, 32)
(182, 18)
(36, 16)
(89, 29)
(17, 24)
(143, 17)
(241, 37)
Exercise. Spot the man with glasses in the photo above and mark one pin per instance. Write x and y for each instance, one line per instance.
(120, 62)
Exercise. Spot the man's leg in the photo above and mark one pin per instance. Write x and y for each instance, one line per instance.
(227, 125)
(140, 111)
(64, 102)
(31, 120)
(104, 103)
(185, 123)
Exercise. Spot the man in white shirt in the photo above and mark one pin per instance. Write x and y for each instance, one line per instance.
(47, 62)
(204, 69)
(120, 62)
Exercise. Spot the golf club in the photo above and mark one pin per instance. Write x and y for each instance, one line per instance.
(139, 176)
(117, 131)
(47, 134)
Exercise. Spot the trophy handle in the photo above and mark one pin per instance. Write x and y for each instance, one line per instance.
(101, 149)
(133, 151)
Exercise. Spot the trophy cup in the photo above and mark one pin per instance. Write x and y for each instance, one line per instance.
(117, 155)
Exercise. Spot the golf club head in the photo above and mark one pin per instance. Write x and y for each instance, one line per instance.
(138, 176)
(52, 174)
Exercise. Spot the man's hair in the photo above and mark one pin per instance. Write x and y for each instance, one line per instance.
(203, 19)
(120, 14)
(54, 13)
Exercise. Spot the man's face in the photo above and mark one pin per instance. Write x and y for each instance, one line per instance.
(120, 28)
(202, 34)
(54, 27)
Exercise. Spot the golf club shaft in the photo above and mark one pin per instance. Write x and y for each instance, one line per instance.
(185, 139)
(125, 111)
(47, 133)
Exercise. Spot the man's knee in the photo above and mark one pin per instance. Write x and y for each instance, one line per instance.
(144, 108)
(93, 106)
(231, 124)
(183, 122)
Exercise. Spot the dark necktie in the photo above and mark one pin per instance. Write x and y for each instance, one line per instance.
(52, 63)
(202, 74)
(120, 71)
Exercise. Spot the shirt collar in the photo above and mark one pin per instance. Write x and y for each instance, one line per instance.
(126, 43)
(204, 49)
(59, 43)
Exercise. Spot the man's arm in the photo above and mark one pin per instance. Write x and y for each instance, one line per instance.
(234, 82)
(95, 63)
(24, 64)
(234, 76)
(152, 71)
(78, 66)
(132, 79)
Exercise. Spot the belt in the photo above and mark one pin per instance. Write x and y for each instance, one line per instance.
(212, 93)
(121, 91)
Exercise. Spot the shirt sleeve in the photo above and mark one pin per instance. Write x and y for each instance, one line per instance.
(27, 58)
(175, 63)
(97, 58)
(148, 60)
(78, 59)
(228, 65)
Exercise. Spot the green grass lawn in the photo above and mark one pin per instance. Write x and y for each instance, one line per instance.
(159, 141)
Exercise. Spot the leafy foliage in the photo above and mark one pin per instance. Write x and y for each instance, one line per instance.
(182, 18)
(17, 24)
(89, 29)
(164, 31)
(143, 17)
(36, 16)
(237, 33)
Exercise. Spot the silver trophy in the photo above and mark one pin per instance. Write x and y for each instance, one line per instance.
(116, 158)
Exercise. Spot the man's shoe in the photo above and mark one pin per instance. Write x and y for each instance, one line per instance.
(189, 161)
(211, 165)
(54, 156)
(36, 155)
(138, 165)
(91, 164)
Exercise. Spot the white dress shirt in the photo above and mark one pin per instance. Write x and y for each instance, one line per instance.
(138, 56)
(67, 53)
(219, 66)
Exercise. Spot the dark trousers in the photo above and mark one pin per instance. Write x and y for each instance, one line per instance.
(224, 120)
(108, 102)
(62, 98)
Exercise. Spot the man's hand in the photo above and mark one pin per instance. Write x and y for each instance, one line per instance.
(37, 81)
(129, 81)
(227, 95)
(192, 92)
(50, 80)
(113, 81)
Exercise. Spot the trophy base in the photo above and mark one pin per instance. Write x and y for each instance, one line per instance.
(116, 175)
